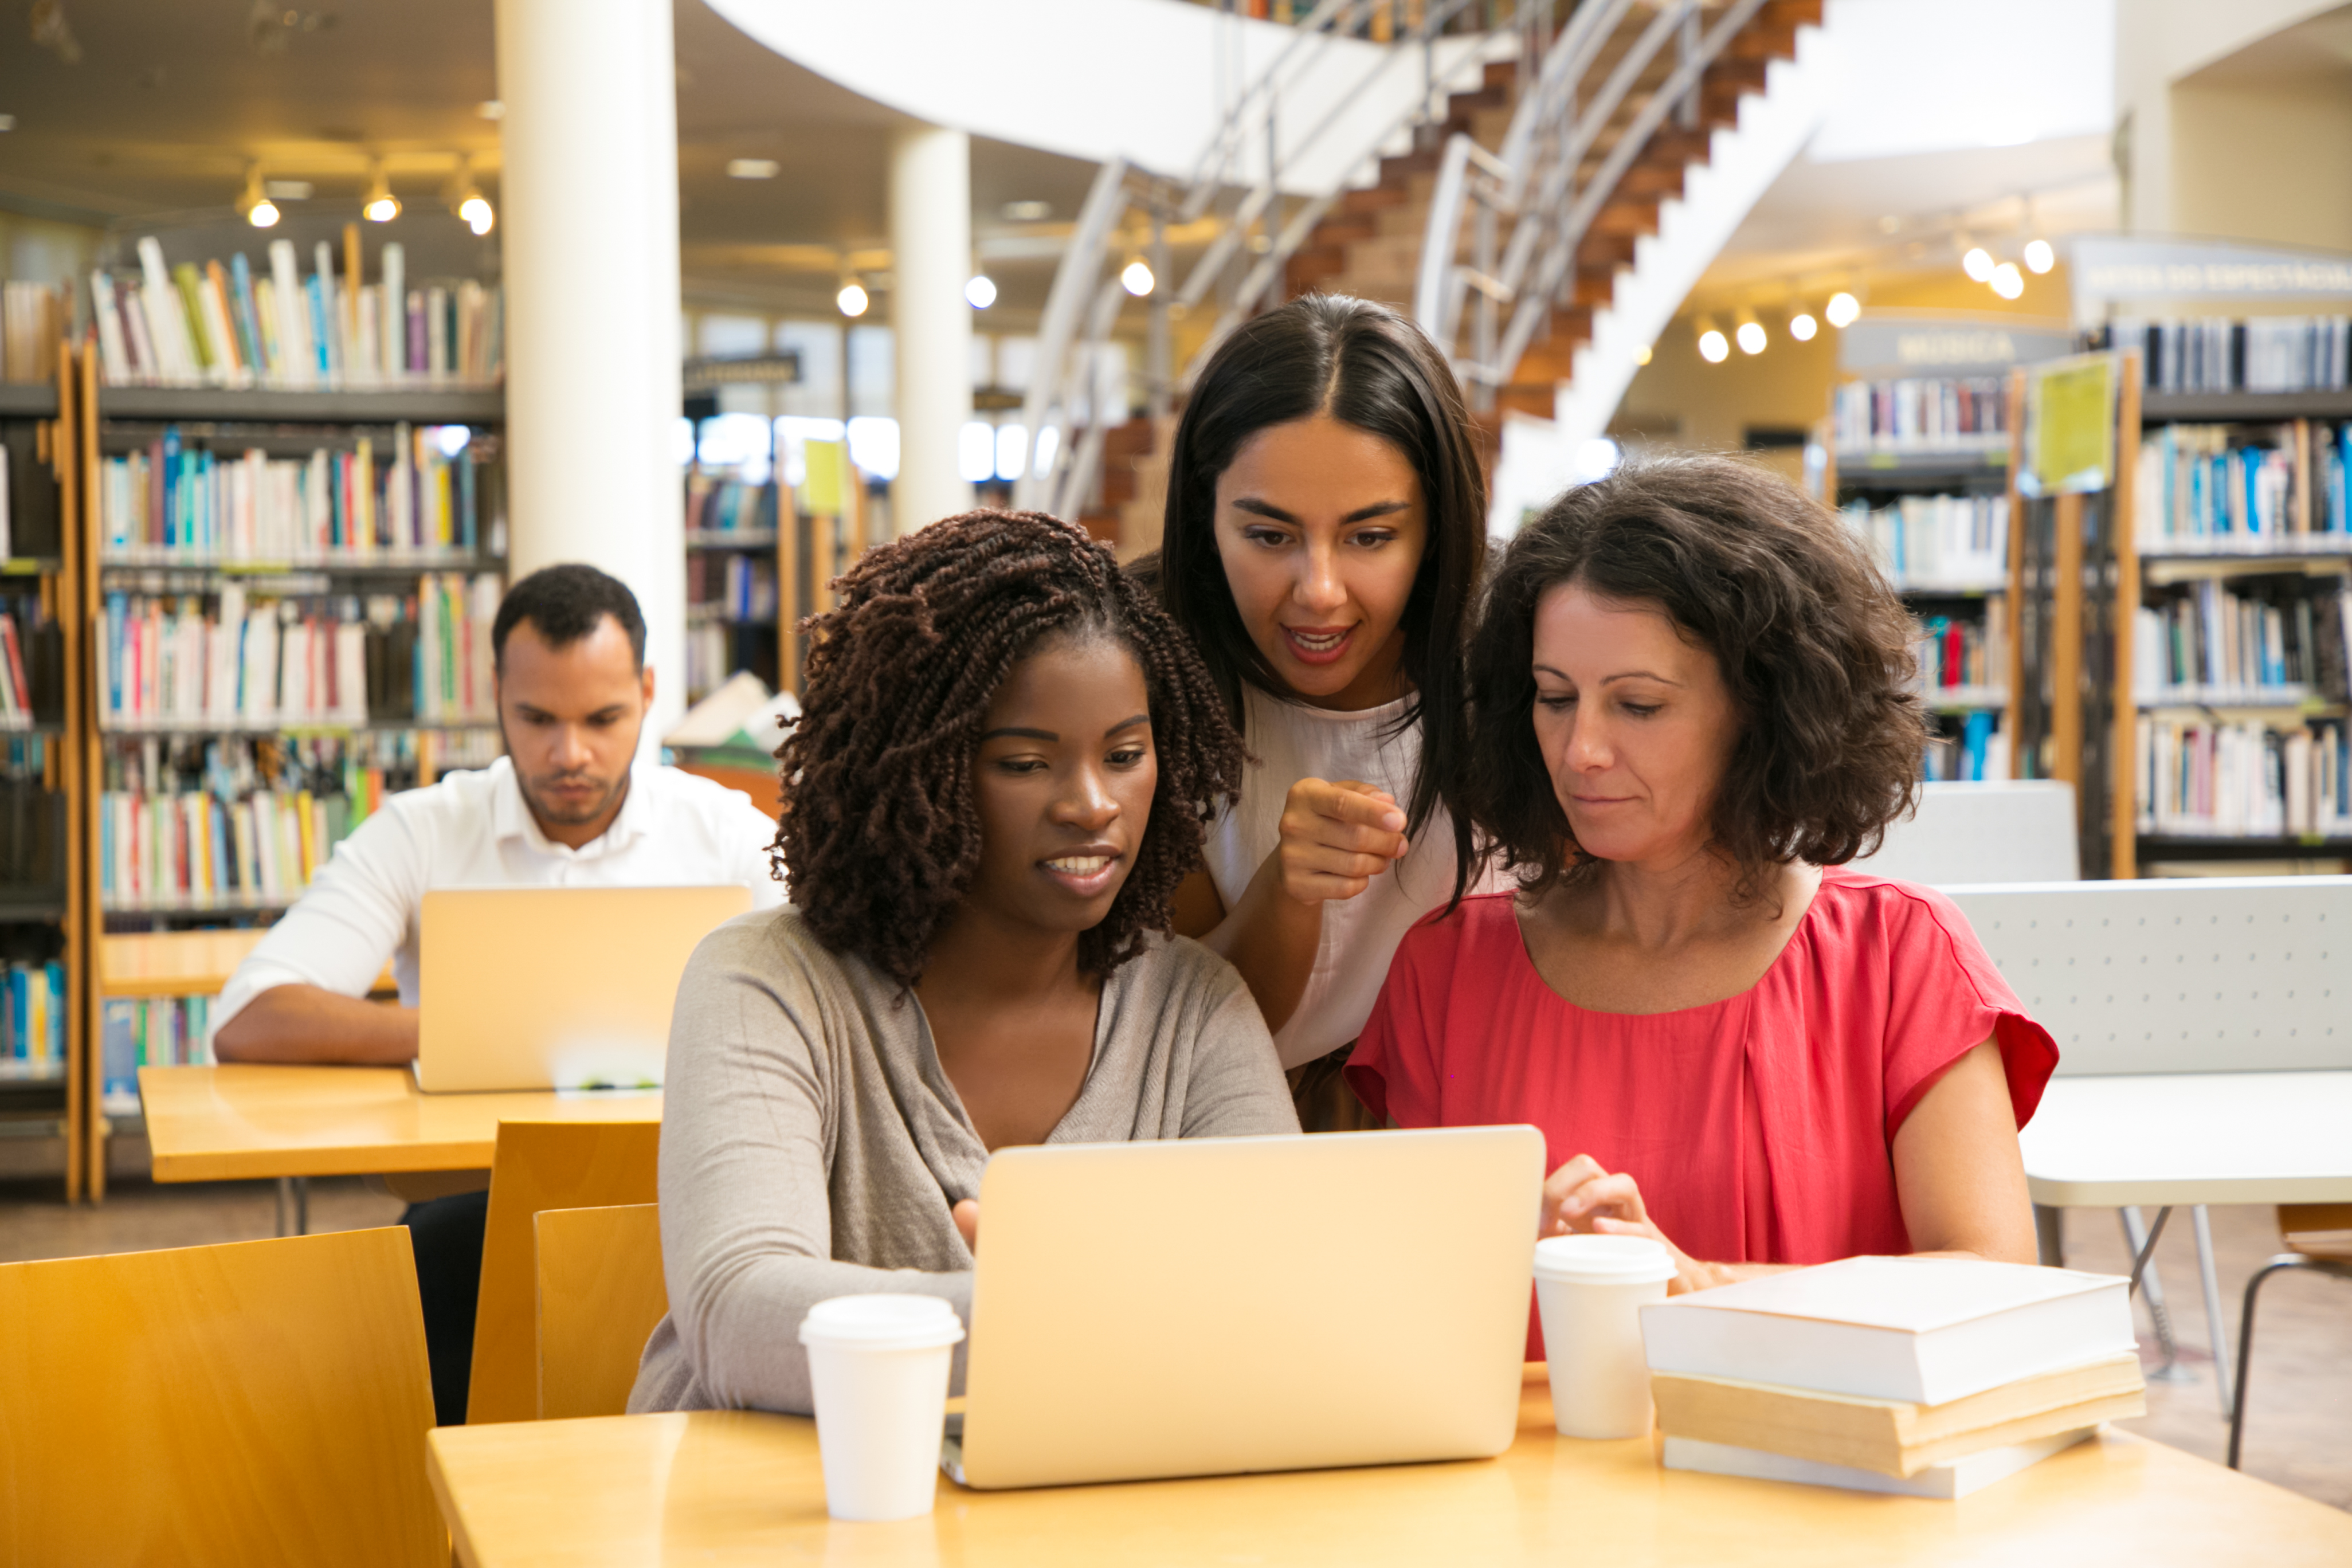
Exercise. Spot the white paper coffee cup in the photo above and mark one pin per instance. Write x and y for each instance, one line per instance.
(1590, 1290)
(878, 1369)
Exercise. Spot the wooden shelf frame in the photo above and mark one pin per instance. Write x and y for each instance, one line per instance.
(185, 964)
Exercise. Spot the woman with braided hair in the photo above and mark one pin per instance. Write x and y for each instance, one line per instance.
(1004, 761)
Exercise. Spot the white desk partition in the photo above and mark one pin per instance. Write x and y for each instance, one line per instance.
(2204, 1031)
(2202, 974)
(2007, 831)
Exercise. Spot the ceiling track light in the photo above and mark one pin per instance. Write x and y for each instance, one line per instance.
(979, 291)
(2041, 255)
(466, 199)
(1749, 333)
(380, 206)
(1975, 260)
(1136, 277)
(852, 299)
(1713, 346)
(254, 201)
(2006, 282)
(1843, 310)
(1803, 327)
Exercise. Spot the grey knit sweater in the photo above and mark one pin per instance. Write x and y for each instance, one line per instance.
(812, 1146)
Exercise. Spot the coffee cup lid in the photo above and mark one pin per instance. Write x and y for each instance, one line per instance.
(1603, 1259)
(882, 1323)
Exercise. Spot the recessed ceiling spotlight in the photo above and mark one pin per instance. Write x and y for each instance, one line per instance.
(752, 168)
(1026, 211)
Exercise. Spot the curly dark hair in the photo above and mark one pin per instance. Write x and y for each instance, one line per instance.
(880, 835)
(1813, 646)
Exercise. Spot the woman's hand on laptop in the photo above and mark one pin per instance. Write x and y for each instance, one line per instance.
(967, 1222)
(1583, 1196)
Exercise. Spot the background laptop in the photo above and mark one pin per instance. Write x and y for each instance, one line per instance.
(1214, 1306)
(555, 987)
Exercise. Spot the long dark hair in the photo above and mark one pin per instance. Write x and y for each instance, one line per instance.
(1369, 368)
(880, 835)
(1814, 646)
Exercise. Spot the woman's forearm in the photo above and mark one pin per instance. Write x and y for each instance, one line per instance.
(1271, 938)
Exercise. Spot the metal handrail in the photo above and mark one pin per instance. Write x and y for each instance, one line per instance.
(1058, 479)
(1532, 183)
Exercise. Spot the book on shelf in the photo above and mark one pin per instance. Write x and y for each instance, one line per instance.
(730, 587)
(1956, 651)
(420, 498)
(31, 520)
(33, 321)
(2221, 354)
(1895, 1436)
(233, 825)
(32, 663)
(2234, 489)
(149, 1031)
(1921, 1330)
(33, 1021)
(2282, 640)
(1949, 1482)
(1975, 751)
(2209, 778)
(719, 504)
(230, 658)
(1955, 544)
(231, 326)
(1923, 414)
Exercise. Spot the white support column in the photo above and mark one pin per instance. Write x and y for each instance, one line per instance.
(588, 210)
(931, 261)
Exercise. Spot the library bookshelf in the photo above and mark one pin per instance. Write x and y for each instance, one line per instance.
(41, 908)
(2182, 653)
(287, 597)
(762, 556)
(1934, 505)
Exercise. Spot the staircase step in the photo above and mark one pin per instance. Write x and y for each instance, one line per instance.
(1370, 199)
(1635, 216)
(1128, 441)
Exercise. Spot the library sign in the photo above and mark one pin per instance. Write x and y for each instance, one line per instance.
(1887, 346)
(2108, 270)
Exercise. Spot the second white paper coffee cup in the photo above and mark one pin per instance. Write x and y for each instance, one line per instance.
(1590, 1290)
(878, 1371)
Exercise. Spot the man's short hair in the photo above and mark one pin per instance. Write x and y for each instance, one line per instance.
(565, 604)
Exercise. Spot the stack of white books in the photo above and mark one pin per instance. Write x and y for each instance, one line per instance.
(1927, 1376)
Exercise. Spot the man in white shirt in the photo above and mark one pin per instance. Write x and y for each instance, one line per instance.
(568, 805)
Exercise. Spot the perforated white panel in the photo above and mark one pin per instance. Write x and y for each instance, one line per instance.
(2237, 974)
(2013, 831)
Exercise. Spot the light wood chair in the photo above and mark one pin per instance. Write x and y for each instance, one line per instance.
(601, 1291)
(254, 1401)
(2318, 1236)
(540, 1165)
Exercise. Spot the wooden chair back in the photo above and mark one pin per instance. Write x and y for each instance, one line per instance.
(540, 1165)
(252, 1402)
(601, 1291)
(2317, 1230)
(2198, 975)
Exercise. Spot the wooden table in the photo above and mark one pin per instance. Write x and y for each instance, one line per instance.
(722, 1487)
(246, 1120)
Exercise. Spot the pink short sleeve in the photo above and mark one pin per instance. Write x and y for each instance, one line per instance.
(1394, 1069)
(1945, 998)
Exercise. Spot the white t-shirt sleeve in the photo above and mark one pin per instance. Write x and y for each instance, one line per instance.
(340, 933)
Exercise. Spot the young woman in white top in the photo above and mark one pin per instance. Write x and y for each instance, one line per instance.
(1324, 538)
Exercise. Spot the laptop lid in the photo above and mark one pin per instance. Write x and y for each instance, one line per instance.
(1214, 1306)
(524, 988)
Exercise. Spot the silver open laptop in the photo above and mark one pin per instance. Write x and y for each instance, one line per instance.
(555, 987)
(1215, 1306)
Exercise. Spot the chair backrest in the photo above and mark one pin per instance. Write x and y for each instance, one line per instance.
(2317, 1230)
(540, 1165)
(2202, 974)
(252, 1402)
(2007, 831)
(601, 1291)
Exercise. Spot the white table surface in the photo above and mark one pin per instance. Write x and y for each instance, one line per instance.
(2192, 1137)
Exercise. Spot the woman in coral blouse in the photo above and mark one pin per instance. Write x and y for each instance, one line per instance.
(1692, 707)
